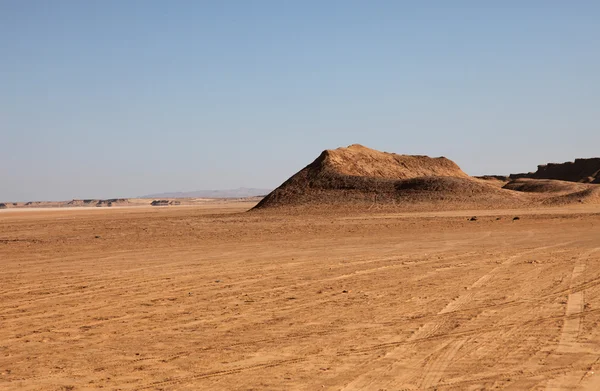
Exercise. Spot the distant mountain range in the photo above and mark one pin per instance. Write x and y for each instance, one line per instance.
(232, 193)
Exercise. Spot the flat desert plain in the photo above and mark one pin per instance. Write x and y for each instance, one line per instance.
(212, 298)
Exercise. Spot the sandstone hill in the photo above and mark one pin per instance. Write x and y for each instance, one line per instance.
(357, 176)
(581, 170)
(561, 183)
(361, 178)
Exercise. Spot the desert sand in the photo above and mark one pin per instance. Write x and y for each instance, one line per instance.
(210, 297)
(366, 270)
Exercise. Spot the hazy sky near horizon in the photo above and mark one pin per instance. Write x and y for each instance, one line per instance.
(125, 98)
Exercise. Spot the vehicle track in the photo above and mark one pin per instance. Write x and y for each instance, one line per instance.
(431, 328)
(226, 372)
(571, 325)
(434, 371)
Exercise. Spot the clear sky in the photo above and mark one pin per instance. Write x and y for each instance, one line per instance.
(123, 98)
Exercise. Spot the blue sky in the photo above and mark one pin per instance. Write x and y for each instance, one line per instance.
(125, 98)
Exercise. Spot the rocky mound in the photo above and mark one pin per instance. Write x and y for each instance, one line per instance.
(581, 170)
(357, 160)
(97, 202)
(359, 176)
(545, 186)
(590, 195)
(496, 180)
(87, 202)
(111, 202)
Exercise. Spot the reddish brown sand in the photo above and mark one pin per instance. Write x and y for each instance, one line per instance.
(206, 298)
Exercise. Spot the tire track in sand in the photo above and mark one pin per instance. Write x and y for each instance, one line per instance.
(571, 325)
(575, 301)
(435, 369)
(205, 375)
(433, 374)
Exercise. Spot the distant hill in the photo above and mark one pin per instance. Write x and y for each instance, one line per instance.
(581, 170)
(241, 192)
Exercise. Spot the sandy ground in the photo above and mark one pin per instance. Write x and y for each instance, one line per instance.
(207, 298)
